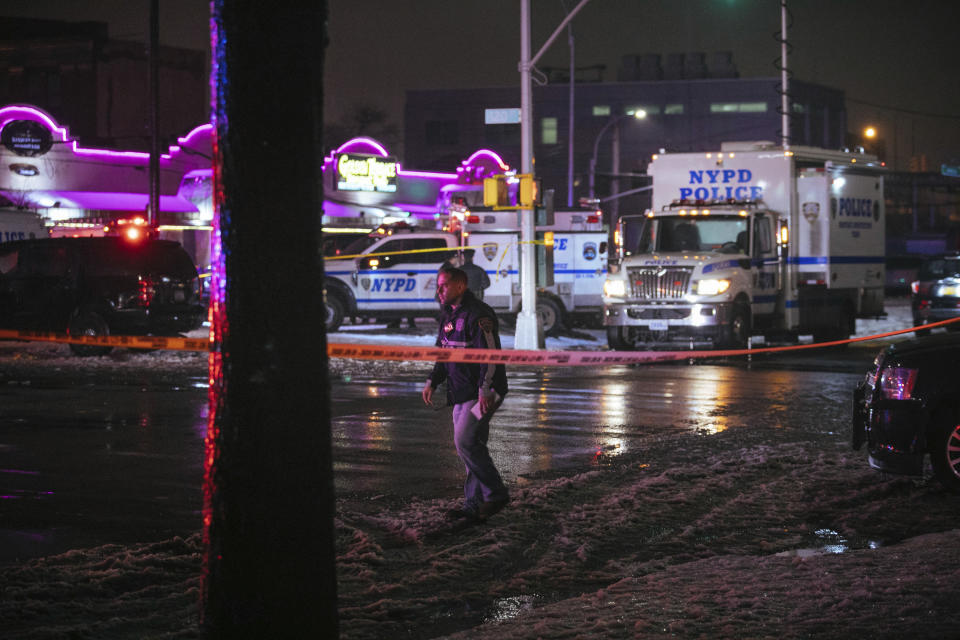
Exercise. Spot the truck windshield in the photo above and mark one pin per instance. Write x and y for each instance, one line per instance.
(724, 234)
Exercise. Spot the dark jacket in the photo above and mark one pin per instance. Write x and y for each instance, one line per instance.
(472, 325)
(477, 279)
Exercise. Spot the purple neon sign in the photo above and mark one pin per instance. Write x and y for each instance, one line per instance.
(22, 112)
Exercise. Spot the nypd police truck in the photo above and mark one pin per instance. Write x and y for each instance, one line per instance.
(752, 240)
(393, 273)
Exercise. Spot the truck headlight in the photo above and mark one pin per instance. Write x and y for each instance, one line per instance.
(615, 288)
(712, 287)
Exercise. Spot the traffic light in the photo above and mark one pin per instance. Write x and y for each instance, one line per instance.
(495, 192)
(529, 193)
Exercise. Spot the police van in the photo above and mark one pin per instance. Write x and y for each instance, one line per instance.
(16, 224)
(752, 240)
(393, 272)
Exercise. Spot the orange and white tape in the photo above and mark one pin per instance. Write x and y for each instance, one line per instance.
(435, 354)
(131, 342)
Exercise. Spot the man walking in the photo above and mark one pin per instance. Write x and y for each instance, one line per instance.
(474, 390)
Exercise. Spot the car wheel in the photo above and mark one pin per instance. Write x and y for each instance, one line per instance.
(335, 310)
(88, 323)
(945, 452)
(551, 316)
(736, 333)
(616, 340)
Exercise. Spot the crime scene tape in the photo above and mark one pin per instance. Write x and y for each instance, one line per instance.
(172, 343)
(476, 356)
(575, 358)
(432, 250)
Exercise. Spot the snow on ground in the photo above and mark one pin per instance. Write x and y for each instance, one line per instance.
(762, 532)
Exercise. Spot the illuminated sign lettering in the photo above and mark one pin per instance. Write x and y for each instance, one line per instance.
(721, 184)
(361, 172)
(26, 138)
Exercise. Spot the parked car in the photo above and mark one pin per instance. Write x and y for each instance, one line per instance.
(908, 407)
(936, 292)
(901, 271)
(99, 286)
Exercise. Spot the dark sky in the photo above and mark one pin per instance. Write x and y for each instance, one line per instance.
(896, 60)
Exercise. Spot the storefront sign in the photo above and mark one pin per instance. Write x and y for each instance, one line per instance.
(26, 138)
(360, 172)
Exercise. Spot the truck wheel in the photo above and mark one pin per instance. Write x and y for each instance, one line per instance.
(551, 316)
(616, 340)
(88, 323)
(335, 309)
(945, 451)
(736, 333)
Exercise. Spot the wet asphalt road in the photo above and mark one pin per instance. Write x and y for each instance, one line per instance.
(117, 459)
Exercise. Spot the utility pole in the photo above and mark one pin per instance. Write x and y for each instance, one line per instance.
(529, 333)
(570, 124)
(784, 77)
(153, 62)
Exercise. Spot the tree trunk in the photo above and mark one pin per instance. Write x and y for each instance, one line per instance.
(268, 486)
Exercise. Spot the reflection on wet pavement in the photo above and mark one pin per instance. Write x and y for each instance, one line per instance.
(387, 441)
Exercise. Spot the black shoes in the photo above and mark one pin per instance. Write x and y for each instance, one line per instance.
(480, 514)
(465, 515)
(488, 509)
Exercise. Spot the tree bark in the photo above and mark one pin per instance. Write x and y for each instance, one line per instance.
(268, 487)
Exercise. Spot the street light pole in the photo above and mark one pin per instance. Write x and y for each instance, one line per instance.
(639, 114)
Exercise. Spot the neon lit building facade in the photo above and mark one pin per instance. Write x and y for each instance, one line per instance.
(79, 189)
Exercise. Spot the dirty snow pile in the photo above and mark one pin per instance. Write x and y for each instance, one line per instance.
(766, 532)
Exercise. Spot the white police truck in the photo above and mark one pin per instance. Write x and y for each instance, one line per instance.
(751, 240)
(17, 224)
(391, 275)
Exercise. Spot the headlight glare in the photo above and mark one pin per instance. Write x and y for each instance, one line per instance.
(712, 287)
(615, 288)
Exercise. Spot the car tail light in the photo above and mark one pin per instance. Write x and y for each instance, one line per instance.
(896, 383)
(146, 291)
(915, 287)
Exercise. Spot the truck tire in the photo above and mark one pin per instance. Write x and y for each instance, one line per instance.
(616, 340)
(736, 333)
(335, 309)
(945, 450)
(551, 316)
(88, 323)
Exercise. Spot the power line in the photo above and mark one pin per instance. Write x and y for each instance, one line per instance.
(925, 114)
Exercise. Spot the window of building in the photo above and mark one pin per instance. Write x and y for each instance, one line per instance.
(442, 132)
(738, 107)
(548, 130)
(673, 110)
(601, 110)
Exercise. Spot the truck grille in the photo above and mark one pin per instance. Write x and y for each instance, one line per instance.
(659, 282)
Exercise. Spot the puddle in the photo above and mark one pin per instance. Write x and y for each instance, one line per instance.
(509, 608)
(832, 543)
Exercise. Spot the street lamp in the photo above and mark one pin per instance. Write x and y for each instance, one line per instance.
(870, 133)
(639, 114)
